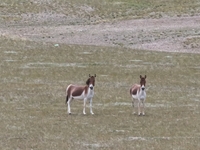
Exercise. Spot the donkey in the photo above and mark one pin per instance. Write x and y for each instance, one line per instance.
(138, 94)
(81, 92)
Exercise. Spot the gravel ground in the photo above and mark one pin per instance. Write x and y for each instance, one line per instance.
(171, 34)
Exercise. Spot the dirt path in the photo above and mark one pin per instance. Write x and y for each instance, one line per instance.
(177, 34)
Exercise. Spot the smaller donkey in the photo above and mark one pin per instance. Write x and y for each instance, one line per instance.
(82, 92)
(138, 94)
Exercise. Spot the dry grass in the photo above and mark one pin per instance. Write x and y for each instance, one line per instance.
(34, 76)
(192, 42)
(33, 112)
(93, 11)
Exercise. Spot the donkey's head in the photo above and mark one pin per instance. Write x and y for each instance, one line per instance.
(143, 82)
(91, 81)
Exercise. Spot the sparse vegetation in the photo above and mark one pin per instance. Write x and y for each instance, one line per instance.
(34, 75)
(192, 42)
(93, 11)
(33, 112)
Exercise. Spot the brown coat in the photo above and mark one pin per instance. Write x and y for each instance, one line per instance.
(134, 89)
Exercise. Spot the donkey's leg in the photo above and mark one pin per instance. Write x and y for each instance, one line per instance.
(91, 107)
(84, 105)
(134, 105)
(143, 110)
(68, 104)
(139, 104)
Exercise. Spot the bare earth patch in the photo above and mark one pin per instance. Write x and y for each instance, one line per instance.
(171, 34)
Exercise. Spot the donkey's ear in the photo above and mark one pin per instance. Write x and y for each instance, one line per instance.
(145, 76)
(87, 82)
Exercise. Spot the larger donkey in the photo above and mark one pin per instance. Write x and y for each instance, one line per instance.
(83, 92)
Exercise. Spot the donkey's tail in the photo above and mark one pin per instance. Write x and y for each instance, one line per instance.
(66, 99)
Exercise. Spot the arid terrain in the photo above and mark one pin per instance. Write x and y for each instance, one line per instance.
(171, 34)
(45, 45)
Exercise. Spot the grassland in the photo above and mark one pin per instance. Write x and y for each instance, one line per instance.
(34, 76)
(33, 112)
(92, 11)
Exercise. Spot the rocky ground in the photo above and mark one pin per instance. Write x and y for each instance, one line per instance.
(172, 34)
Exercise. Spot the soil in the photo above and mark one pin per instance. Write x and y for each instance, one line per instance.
(171, 34)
